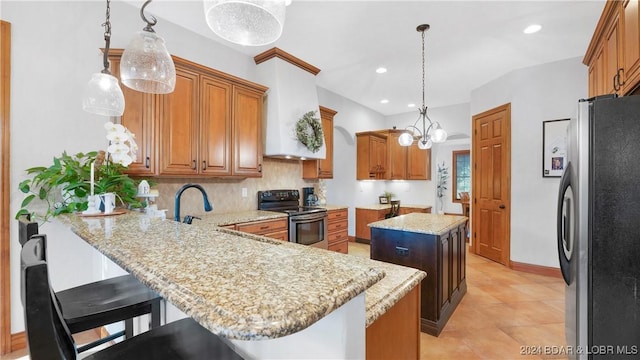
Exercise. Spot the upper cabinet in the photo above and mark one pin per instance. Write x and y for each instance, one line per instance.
(613, 55)
(381, 157)
(371, 156)
(322, 168)
(210, 125)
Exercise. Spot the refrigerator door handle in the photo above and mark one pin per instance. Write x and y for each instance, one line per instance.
(566, 223)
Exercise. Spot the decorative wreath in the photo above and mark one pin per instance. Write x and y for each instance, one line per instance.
(309, 131)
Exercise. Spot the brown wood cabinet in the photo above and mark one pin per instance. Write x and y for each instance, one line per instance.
(322, 168)
(338, 226)
(613, 55)
(442, 256)
(397, 156)
(371, 162)
(276, 229)
(211, 125)
(418, 163)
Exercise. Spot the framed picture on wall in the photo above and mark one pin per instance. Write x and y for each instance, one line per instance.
(383, 200)
(554, 147)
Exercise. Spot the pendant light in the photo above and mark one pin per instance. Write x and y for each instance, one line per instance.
(246, 22)
(432, 133)
(146, 65)
(102, 95)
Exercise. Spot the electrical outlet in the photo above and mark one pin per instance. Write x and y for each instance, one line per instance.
(244, 192)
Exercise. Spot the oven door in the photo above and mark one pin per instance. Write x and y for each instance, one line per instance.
(309, 229)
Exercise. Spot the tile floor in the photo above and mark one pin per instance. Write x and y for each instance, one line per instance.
(503, 314)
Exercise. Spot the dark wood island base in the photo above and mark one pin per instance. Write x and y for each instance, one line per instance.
(441, 253)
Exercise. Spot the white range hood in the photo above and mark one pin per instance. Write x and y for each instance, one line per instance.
(292, 93)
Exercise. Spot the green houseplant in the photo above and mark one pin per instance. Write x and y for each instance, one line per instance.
(441, 184)
(63, 187)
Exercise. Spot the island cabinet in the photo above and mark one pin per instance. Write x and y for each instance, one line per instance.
(369, 214)
(276, 229)
(210, 125)
(338, 226)
(440, 253)
(322, 168)
(371, 162)
(613, 56)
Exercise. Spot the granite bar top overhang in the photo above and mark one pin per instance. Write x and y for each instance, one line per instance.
(424, 223)
(234, 286)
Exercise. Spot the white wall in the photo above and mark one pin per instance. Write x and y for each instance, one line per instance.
(546, 92)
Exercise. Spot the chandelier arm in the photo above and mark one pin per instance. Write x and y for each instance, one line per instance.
(151, 23)
(415, 128)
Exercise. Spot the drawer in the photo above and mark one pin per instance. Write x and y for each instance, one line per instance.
(337, 226)
(341, 247)
(230, 227)
(280, 235)
(337, 215)
(264, 227)
(337, 236)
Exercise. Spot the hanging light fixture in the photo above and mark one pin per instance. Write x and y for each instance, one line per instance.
(246, 22)
(146, 65)
(431, 132)
(102, 95)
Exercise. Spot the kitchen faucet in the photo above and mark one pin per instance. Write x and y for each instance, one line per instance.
(176, 210)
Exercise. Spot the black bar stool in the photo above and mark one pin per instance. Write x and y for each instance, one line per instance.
(49, 338)
(102, 302)
(394, 210)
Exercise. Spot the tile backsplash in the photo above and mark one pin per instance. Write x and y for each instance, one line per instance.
(226, 194)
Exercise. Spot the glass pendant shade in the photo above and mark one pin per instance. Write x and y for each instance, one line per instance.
(246, 22)
(405, 139)
(424, 145)
(103, 96)
(439, 135)
(146, 65)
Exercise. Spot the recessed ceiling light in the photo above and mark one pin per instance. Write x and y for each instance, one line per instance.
(411, 105)
(384, 101)
(381, 70)
(534, 28)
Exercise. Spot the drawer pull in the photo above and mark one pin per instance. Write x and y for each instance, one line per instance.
(264, 227)
(403, 251)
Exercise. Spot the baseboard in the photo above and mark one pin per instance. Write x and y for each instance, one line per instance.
(536, 269)
(18, 341)
(352, 238)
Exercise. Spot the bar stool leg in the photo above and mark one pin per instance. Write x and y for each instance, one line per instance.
(128, 328)
(155, 314)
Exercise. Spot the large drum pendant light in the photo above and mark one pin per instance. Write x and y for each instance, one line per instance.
(246, 22)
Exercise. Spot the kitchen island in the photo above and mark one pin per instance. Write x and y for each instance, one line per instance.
(432, 243)
(247, 287)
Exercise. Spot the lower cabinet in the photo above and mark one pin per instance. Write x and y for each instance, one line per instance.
(276, 229)
(396, 334)
(338, 225)
(442, 257)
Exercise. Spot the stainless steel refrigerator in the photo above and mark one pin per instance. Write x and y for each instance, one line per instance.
(599, 230)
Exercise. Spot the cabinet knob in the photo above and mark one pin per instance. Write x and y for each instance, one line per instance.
(147, 162)
(204, 165)
(194, 165)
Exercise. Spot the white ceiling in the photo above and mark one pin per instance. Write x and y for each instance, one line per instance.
(469, 44)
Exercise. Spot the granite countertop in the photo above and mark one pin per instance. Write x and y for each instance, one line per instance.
(241, 217)
(421, 223)
(387, 206)
(330, 207)
(234, 286)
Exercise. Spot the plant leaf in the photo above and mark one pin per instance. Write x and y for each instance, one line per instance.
(27, 200)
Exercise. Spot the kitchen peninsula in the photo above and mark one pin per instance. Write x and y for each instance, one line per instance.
(262, 294)
(432, 243)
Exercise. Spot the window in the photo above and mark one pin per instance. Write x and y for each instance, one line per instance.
(461, 173)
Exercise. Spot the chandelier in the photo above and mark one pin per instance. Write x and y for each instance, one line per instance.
(431, 131)
(246, 22)
(103, 95)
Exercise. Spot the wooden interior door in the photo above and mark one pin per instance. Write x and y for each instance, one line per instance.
(491, 184)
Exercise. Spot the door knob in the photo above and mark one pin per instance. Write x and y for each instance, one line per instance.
(502, 206)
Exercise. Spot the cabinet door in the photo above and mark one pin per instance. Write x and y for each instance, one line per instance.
(612, 65)
(631, 44)
(179, 126)
(325, 166)
(397, 161)
(215, 127)
(138, 117)
(247, 132)
(418, 163)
